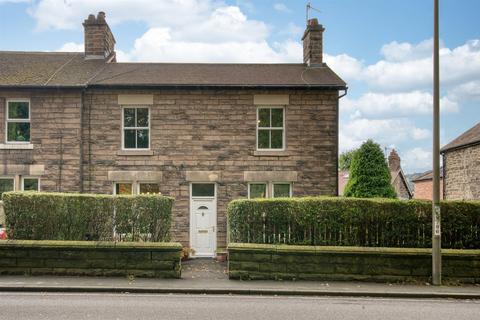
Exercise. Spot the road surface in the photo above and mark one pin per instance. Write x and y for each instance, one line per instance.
(22, 306)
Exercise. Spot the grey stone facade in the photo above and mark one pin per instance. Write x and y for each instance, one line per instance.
(462, 173)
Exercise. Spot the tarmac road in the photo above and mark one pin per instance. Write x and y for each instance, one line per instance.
(144, 306)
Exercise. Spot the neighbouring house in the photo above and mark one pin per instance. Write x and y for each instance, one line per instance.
(461, 166)
(423, 185)
(203, 133)
(398, 178)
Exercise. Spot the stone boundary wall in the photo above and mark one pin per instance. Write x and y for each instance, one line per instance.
(147, 259)
(284, 262)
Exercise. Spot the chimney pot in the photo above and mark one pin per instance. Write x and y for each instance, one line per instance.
(101, 16)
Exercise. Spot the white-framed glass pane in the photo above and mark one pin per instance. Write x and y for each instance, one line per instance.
(276, 139)
(128, 117)
(18, 110)
(203, 190)
(263, 139)
(123, 188)
(30, 184)
(257, 190)
(142, 139)
(18, 131)
(129, 137)
(263, 118)
(6, 184)
(149, 188)
(277, 118)
(142, 117)
(281, 190)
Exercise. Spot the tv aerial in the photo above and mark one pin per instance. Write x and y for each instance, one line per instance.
(309, 7)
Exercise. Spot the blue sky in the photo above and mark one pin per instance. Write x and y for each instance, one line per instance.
(381, 48)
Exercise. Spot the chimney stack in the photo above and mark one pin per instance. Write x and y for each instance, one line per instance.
(313, 43)
(99, 40)
(394, 161)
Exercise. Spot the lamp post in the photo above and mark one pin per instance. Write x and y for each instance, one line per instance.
(436, 214)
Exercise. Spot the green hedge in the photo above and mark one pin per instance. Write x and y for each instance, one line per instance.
(62, 216)
(352, 222)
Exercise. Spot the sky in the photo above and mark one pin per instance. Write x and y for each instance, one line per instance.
(381, 48)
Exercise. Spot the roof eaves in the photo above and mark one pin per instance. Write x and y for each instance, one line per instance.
(460, 146)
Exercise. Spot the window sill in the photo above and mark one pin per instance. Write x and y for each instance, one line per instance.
(265, 153)
(135, 153)
(16, 146)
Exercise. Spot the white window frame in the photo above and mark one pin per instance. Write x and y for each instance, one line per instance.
(138, 183)
(267, 191)
(277, 182)
(125, 182)
(10, 178)
(136, 128)
(8, 120)
(270, 191)
(22, 179)
(270, 128)
(203, 197)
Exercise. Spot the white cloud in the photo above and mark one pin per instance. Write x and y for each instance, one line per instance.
(397, 104)
(281, 7)
(14, 1)
(384, 131)
(409, 67)
(469, 91)
(417, 160)
(72, 47)
(345, 66)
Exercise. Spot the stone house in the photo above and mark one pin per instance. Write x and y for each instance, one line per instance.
(398, 178)
(461, 166)
(203, 133)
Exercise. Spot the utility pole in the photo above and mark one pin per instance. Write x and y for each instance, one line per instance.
(436, 214)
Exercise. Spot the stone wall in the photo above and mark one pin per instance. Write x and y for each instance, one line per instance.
(282, 262)
(55, 136)
(400, 188)
(160, 260)
(462, 173)
(213, 130)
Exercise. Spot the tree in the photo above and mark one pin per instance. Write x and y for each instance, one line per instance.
(369, 174)
(345, 160)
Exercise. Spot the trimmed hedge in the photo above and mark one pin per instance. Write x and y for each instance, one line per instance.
(327, 221)
(64, 216)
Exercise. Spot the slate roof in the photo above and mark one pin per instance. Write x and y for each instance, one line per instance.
(49, 69)
(469, 137)
(428, 175)
(71, 69)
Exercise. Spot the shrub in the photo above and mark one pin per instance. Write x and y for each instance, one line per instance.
(62, 216)
(369, 176)
(352, 222)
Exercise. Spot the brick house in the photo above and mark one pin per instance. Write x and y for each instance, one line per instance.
(398, 178)
(203, 133)
(461, 166)
(423, 185)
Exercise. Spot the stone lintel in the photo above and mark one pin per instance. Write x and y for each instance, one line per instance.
(135, 99)
(265, 176)
(22, 169)
(143, 176)
(203, 176)
(271, 99)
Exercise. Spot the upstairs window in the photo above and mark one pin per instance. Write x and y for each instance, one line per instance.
(18, 121)
(270, 128)
(136, 128)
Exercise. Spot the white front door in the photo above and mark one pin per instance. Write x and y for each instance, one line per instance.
(203, 219)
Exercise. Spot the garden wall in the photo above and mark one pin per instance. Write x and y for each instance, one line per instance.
(284, 262)
(159, 260)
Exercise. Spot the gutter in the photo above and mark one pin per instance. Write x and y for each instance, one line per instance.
(80, 168)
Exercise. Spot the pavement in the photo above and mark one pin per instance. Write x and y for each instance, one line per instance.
(207, 276)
